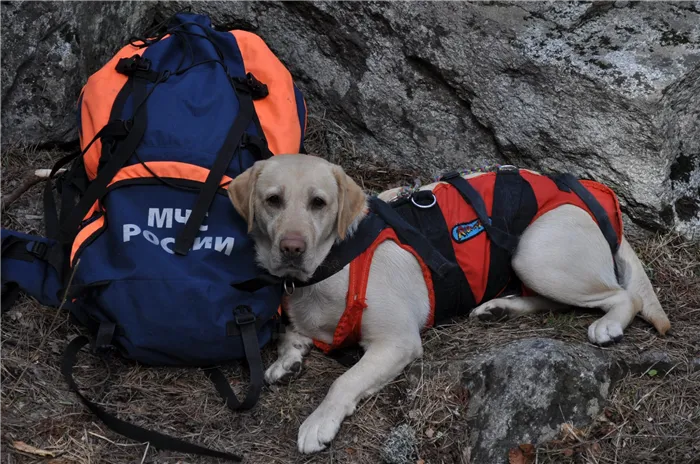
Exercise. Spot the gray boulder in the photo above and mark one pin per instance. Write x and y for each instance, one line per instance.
(609, 90)
(524, 391)
(49, 49)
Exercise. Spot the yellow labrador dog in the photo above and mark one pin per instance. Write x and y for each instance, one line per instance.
(298, 206)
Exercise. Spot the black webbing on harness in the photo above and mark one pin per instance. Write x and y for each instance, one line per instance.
(568, 183)
(246, 91)
(452, 292)
(514, 206)
(499, 237)
(134, 432)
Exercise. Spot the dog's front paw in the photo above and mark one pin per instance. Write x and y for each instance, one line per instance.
(489, 311)
(283, 370)
(605, 332)
(320, 428)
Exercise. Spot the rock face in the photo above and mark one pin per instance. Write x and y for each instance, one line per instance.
(48, 51)
(523, 392)
(609, 90)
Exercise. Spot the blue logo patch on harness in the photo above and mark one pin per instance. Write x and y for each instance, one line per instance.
(467, 230)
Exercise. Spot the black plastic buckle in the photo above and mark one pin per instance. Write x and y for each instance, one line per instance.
(132, 64)
(450, 175)
(39, 249)
(243, 315)
(250, 85)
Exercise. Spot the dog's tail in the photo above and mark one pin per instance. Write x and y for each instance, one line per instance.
(633, 279)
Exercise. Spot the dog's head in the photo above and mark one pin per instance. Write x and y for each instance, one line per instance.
(296, 207)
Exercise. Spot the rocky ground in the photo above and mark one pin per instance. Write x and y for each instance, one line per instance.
(531, 381)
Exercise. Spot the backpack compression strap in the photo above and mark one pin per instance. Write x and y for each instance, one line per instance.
(98, 187)
(247, 90)
(134, 432)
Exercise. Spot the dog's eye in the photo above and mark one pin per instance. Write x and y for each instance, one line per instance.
(318, 203)
(274, 201)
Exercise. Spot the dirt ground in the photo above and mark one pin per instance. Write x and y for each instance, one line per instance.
(650, 418)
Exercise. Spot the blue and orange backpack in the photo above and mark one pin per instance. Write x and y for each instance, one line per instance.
(146, 245)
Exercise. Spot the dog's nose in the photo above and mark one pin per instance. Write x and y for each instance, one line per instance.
(292, 245)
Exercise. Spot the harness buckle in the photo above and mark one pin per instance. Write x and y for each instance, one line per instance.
(450, 175)
(508, 168)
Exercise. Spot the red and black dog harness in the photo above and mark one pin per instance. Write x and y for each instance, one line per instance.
(463, 233)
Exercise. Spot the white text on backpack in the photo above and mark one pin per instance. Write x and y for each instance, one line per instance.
(164, 218)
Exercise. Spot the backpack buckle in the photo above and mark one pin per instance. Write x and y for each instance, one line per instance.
(243, 315)
(133, 64)
(38, 249)
(250, 85)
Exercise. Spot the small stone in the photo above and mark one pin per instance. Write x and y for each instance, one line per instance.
(400, 445)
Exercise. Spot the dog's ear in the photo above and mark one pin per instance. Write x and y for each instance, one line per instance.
(240, 191)
(352, 201)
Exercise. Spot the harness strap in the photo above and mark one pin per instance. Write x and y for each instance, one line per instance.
(567, 182)
(410, 236)
(514, 206)
(452, 292)
(126, 429)
(350, 324)
(499, 237)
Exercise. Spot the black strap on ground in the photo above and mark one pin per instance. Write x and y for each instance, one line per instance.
(185, 239)
(131, 431)
(593, 205)
(98, 187)
(245, 320)
(514, 206)
(499, 237)
(10, 293)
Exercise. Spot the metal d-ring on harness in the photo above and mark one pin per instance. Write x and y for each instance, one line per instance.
(423, 193)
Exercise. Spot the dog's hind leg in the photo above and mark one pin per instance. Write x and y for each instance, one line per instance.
(514, 306)
(635, 281)
(563, 256)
